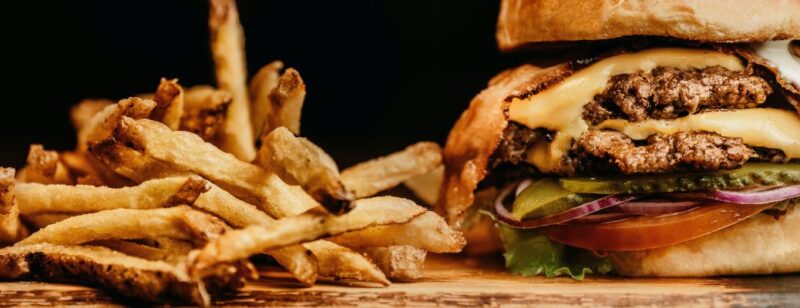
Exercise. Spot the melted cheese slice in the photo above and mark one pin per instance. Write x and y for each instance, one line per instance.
(559, 108)
(762, 127)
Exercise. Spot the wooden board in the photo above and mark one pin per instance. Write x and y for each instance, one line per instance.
(469, 282)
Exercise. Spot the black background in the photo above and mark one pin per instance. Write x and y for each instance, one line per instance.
(379, 74)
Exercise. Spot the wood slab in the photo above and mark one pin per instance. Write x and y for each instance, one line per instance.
(453, 281)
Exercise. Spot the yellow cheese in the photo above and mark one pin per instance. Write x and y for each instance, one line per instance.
(762, 127)
(559, 108)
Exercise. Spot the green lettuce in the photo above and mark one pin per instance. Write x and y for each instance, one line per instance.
(530, 253)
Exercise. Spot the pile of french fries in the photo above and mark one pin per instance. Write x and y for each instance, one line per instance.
(167, 196)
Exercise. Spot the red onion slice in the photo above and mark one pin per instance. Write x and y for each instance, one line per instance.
(655, 207)
(600, 218)
(576, 212)
(522, 185)
(746, 197)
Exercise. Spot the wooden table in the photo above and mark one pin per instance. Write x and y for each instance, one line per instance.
(469, 282)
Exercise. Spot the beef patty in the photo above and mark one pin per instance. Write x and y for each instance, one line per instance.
(668, 93)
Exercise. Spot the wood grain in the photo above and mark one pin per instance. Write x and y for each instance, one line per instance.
(464, 282)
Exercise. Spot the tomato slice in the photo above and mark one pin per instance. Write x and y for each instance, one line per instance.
(642, 233)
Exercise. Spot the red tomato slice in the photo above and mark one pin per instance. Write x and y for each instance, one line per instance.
(652, 232)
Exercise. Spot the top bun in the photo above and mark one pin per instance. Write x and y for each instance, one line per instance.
(722, 21)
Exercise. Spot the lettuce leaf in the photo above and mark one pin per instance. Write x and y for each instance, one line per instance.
(530, 253)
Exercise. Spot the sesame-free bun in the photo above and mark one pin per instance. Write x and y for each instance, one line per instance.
(758, 246)
(522, 22)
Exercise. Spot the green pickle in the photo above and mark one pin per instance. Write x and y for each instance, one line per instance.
(751, 174)
(543, 198)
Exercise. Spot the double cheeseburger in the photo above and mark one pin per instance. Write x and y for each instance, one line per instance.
(664, 141)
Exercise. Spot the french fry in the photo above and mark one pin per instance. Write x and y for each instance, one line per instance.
(300, 162)
(398, 262)
(187, 152)
(141, 250)
(204, 111)
(45, 219)
(428, 231)
(11, 229)
(122, 274)
(180, 222)
(34, 198)
(287, 103)
(426, 186)
(83, 111)
(344, 264)
(44, 166)
(102, 124)
(169, 103)
(227, 47)
(373, 176)
(261, 85)
(243, 243)
(87, 170)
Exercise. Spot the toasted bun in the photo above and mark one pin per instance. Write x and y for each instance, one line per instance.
(724, 21)
(759, 245)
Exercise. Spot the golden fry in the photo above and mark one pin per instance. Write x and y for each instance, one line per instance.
(11, 229)
(187, 152)
(102, 124)
(243, 243)
(373, 176)
(34, 198)
(87, 170)
(180, 222)
(45, 219)
(169, 103)
(204, 111)
(300, 162)
(102, 267)
(44, 166)
(287, 103)
(426, 186)
(227, 47)
(398, 262)
(81, 113)
(428, 231)
(344, 264)
(262, 84)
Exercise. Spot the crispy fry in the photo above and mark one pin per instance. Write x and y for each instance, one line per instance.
(287, 103)
(204, 111)
(115, 271)
(102, 124)
(87, 170)
(34, 198)
(342, 263)
(398, 262)
(141, 250)
(83, 111)
(261, 85)
(44, 167)
(300, 162)
(428, 231)
(11, 229)
(227, 46)
(298, 260)
(426, 186)
(187, 152)
(243, 243)
(169, 103)
(180, 222)
(45, 219)
(370, 177)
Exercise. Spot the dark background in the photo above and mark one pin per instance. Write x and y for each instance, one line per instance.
(379, 74)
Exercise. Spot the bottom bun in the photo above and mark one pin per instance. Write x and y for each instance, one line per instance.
(759, 245)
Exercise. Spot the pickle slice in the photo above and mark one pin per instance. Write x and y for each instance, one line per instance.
(543, 198)
(750, 175)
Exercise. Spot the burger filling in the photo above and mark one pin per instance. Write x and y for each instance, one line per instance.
(641, 151)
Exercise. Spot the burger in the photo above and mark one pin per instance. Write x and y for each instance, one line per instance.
(660, 138)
